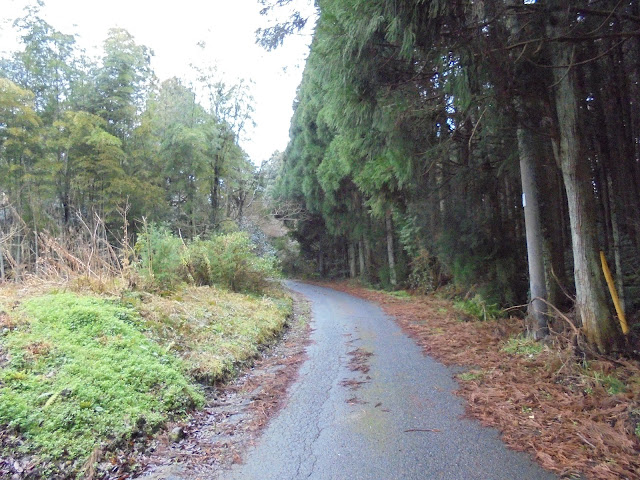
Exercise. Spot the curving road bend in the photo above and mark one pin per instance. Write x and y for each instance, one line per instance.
(392, 415)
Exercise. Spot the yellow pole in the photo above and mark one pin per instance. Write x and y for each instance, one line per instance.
(614, 293)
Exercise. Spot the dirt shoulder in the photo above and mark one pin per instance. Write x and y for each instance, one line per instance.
(216, 437)
(578, 417)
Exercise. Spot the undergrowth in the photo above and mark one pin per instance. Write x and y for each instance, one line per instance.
(211, 329)
(225, 260)
(478, 308)
(522, 345)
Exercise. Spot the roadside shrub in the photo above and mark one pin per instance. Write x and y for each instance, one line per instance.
(426, 275)
(234, 265)
(161, 257)
(226, 260)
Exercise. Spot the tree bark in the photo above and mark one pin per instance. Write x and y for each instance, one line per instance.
(367, 256)
(590, 289)
(321, 263)
(352, 260)
(390, 251)
(538, 325)
(617, 249)
(2, 273)
(533, 230)
(363, 267)
(215, 193)
(556, 240)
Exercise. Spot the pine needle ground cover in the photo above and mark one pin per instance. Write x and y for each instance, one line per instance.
(83, 376)
(578, 417)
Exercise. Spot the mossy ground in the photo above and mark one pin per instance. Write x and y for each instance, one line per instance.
(84, 374)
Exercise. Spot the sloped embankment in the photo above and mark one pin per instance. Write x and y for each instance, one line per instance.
(86, 378)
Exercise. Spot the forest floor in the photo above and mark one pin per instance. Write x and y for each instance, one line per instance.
(579, 417)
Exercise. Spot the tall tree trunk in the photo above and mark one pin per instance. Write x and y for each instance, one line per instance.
(393, 279)
(556, 240)
(2, 272)
(352, 260)
(617, 253)
(214, 188)
(321, 263)
(18, 259)
(367, 256)
(590, 289)
(363, 267)
(527, 150)
(533, 231)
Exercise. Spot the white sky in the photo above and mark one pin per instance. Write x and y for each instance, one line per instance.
(172, 30)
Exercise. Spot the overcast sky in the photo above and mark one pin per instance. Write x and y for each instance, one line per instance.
(172, 29)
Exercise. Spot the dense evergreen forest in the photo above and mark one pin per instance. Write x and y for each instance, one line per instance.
(490, 146)
(97, 144)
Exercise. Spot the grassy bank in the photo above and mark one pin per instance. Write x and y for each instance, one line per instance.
(83, 375)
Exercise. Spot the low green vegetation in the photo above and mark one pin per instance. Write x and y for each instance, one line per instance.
(400, 294)
(212, 330)
(226, 260)
(478, 308)
(471, 375)
(81, 373)
(610, 383)
(521, 345)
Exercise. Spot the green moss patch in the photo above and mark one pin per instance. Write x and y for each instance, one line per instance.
(81, 374)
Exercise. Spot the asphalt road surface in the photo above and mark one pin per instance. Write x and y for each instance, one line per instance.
(402, 422)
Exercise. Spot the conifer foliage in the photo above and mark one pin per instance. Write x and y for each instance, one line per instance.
(492, 146)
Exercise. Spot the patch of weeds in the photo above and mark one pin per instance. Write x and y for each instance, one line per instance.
(522, 346)
(611, 384)
(82, 375)
(212, 329)
(478, 308)
(399, 294)
(471, 375)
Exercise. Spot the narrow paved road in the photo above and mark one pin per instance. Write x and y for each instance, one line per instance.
(403, 422)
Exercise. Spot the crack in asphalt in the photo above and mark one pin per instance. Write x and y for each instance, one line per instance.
(320, 429)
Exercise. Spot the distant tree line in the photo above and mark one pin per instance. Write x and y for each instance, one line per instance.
(493, 146)
(84, 138)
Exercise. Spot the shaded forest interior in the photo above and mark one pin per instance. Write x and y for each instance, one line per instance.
(490, 146)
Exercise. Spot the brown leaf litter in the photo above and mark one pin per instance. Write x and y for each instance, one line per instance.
(549, 404)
